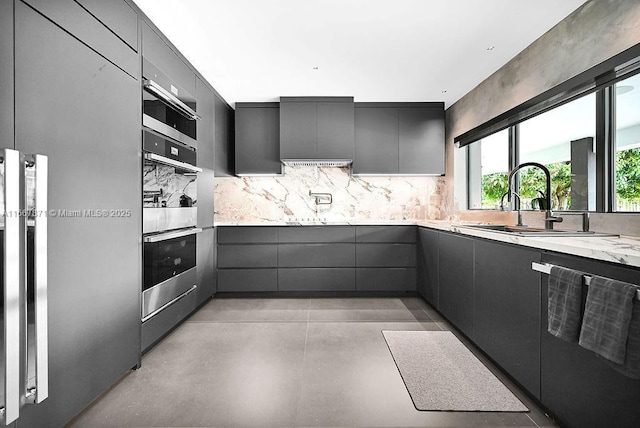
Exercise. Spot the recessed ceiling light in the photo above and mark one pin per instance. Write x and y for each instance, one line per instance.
(315, 67)
(623, 89)
(490, 48)
(444, 92)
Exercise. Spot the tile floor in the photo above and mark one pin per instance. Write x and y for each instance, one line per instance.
(285, 363)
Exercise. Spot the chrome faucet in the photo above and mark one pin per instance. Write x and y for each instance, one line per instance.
(549, 218)
(517, 206)
(322, 198)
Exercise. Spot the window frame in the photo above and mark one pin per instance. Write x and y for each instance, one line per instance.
(605, 108)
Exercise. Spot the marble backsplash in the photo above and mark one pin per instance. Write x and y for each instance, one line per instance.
(286, 197)
(156, 178)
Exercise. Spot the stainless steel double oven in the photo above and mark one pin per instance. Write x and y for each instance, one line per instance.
(169, 192)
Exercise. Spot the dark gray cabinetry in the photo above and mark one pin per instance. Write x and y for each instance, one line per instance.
(376, 140)
(428, 265)
(205, 265)
(224, 138)
(162, 56)
(324, 258)
(579, 388)
(205, 154)
(399, 138)
(506, 323)
(83, 112)
(75, 19)
(421, 140)
(257, 139)
(316, 128)
(455, 279)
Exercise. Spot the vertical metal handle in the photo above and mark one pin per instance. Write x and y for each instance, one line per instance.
(41, 164)
(14, 282)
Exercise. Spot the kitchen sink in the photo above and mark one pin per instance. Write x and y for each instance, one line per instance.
(533, 231)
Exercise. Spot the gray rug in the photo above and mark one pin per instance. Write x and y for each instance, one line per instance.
(440, 373)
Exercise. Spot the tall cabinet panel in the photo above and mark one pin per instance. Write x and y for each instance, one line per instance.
(455, 279)
(421, 140)
(428, 265)
(224, 138)
(6, 75)
(258, 139)
(83, 113)
(376, 140)
(507, 309)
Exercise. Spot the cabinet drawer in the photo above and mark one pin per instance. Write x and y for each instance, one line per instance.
(389, 279)
(247, 256)
(313, 234)
(316, 279)
(390, 234)
(230, 280)
(316, 255)
(247, 235)
(386, 255)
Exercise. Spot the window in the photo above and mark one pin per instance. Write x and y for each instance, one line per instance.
(627, 145)
(488, 170)
(563, 140)
(591, 146)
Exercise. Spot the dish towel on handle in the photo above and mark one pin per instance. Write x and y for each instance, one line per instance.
(607, 314)
(631, 366)
(565, 303)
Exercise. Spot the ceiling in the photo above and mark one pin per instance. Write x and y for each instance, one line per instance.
(373, 50)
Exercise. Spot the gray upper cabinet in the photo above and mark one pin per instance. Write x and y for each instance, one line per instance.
(399, 138)
(421, 140)
(316, 128)
(376, 140)
(257, 139)
(206, 126)
(162, 56)
(103, 29)
(335, 130)
(298, 130)
(224, 138)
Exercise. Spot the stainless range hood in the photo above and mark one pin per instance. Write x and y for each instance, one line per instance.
(324, 163)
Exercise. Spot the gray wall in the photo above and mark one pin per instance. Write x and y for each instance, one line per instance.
(595, 32)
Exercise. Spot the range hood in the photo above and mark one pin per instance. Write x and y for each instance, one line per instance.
(324, 163)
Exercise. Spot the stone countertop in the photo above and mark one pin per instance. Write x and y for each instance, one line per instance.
(624, 250)
(349, 222)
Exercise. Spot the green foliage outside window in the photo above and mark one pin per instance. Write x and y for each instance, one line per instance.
(628, 179)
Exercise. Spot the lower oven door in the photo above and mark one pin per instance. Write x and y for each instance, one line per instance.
(169, 269)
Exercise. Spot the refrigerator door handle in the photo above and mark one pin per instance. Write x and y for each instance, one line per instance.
(41, 164)
(14, 282)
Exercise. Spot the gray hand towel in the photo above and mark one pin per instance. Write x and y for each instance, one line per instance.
(631, 366)
(565, 303)
(607, 314)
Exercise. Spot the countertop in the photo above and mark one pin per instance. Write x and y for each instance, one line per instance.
(624, 250)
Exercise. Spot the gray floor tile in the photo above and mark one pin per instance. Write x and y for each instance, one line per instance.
(332, 368)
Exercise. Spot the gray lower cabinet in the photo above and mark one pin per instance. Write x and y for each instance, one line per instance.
(579, 388)
(317, 279)
(455, 280)
(317, 255)
(83, 112)
(385, 279)
(324, 258)
(257, 139)
(428, 265)
(506, 301)
(247, 280)
(205, 265)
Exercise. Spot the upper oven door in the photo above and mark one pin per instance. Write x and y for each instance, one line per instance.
(167, 108)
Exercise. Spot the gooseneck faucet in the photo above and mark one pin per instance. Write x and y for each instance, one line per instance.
(549, 218)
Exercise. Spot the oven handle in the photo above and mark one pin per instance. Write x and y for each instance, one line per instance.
(170, 235)
(171, 162)
(170, 99)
